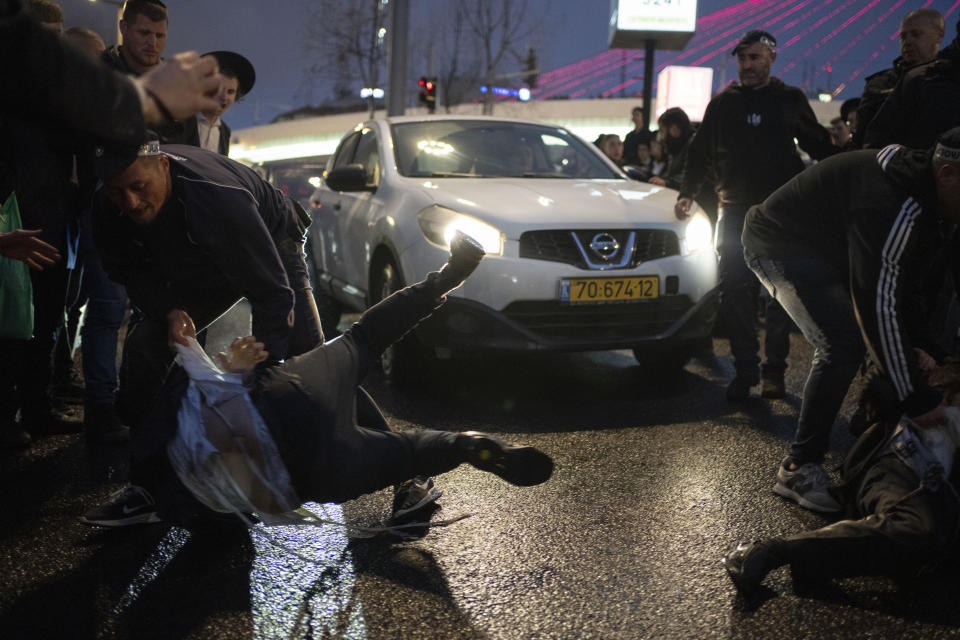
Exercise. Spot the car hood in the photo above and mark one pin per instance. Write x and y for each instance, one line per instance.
(515, 205)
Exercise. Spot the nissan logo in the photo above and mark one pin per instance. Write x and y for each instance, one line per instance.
(604, 245)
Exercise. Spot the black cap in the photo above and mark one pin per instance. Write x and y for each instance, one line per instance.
(947, 148)
(110, 160)
(235, 65)
(756, 35)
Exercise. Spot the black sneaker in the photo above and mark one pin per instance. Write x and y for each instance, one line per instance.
(47, 421)
(522, 466)
(739, 389)
(773, 387)
(749, 563)
(12, 436)
(414, 502)
(129, 506)
(102, 425)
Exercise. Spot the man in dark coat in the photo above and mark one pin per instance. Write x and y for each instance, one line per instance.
(846, 247)
(745, 145)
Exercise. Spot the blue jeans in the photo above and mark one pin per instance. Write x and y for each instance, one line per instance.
(815, 294)
(106, 306)
(738, 305)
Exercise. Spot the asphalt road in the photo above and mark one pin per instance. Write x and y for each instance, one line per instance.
(655, 479)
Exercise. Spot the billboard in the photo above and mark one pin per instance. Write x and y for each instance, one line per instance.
(671, 23)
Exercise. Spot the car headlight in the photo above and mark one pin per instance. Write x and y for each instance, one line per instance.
(699, 233)
(439, 226)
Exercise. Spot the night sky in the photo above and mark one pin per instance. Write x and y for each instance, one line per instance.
(268, 32)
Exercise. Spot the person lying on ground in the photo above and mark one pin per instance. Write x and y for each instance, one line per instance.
(290, 434)
(899, 487)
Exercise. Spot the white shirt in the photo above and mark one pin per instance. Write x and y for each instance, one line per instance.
(209, 133)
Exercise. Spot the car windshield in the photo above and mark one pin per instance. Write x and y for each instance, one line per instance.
(491, 149)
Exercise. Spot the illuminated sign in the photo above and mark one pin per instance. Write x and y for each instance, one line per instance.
(689, 88)
(671, 23)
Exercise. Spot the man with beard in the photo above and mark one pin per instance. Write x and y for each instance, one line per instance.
(745, 147)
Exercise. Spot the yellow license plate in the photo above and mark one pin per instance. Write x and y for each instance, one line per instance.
(609, 289)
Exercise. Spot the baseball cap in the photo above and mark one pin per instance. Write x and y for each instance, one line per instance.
(109, 160)
(756, 35)
(947, 148)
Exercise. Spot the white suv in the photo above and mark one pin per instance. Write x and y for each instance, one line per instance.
(579, 256)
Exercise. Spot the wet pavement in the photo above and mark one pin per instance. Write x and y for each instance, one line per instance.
(656, 477)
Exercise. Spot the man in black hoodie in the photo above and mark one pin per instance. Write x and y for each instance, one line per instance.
(846, 247)
(746, 142)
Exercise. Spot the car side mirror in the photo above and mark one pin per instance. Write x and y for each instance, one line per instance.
(634, 172)
(351, 177)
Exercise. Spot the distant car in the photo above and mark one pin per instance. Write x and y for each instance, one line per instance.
(579, 257)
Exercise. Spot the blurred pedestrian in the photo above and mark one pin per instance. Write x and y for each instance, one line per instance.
(840, 133)
(746, 142)
(611, 146)
(637, 136)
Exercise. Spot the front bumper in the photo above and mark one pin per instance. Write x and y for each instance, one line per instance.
(671, 322)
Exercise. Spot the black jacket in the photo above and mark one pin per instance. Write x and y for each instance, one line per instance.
(746, 139)
(922, 106)
(876, 89)
(874, 215)
(218, 232)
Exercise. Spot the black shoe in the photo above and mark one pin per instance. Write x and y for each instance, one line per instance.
(68, 390)
(748, 564)
(739, 389)
(522, 466)
(102, 425)
(465, 254)
(414, 502)
(12, 436)
(129, 506)
(48, 421)
(773, 387)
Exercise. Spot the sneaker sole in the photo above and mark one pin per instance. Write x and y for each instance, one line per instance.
(788, 493)
(149, 518)
(432, 496)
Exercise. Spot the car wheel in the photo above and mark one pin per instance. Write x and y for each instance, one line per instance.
(404, 362)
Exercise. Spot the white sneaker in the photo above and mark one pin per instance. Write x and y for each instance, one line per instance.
(808, 485)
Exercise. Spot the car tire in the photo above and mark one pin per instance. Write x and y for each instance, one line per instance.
(405, 362)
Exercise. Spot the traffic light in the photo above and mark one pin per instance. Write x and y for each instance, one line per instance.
(428, 92)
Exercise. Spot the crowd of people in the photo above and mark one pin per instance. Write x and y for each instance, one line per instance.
(854, 246)
(168, 234)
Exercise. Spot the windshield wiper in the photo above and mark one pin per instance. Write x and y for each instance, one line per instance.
(531, 174)
(453, 174)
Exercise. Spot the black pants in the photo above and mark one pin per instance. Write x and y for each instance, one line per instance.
(27, 365)
(902, 532)
(332, 452)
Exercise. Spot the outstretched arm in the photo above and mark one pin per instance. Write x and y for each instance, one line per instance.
(24, 245)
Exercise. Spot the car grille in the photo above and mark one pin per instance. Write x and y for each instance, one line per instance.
(561, 246)
(642, 319)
